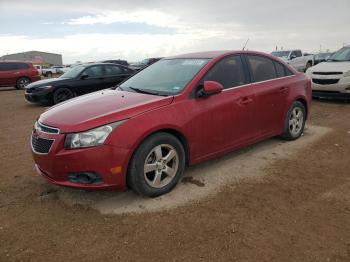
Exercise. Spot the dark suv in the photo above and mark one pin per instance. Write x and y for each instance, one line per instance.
(18, 74)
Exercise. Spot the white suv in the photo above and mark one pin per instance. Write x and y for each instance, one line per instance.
(331, 79)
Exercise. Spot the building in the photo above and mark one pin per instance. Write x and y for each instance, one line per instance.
(36, 57)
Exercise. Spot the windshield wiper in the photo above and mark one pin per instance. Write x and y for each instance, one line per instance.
(143, 91)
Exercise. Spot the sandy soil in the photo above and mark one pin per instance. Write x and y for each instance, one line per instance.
(274, 201)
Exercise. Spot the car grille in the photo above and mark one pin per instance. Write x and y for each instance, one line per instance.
(325, 81)
(41, 145)
(327, 73)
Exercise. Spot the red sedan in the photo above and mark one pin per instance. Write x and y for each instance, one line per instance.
(179, 111)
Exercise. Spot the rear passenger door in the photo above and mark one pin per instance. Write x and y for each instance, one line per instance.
(271, 91)
(114, 74)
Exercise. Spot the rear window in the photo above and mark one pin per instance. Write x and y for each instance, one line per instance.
(13, 66)
(261, 68)
(282, 70)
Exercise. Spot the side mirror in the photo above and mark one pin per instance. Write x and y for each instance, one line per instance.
(210, 88)
(292, 57)
(82, 77)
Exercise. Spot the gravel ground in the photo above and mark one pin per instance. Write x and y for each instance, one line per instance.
(274, 201)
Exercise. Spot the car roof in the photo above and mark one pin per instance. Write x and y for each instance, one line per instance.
(101, 63)
(215, 54)
(14, 61)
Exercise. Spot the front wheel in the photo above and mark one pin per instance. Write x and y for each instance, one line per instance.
(157, 165)
(61, 95)
(295, 121)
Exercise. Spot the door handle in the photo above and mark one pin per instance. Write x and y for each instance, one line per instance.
(245, 100)
(283, 89)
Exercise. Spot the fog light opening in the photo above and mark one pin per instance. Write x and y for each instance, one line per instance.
(85, 178)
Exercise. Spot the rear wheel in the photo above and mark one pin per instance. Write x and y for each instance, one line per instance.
(22, 82)
(157, 165)
(49, 74)
(61, 95)
(295, 121)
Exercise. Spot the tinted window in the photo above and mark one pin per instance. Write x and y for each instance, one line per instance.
(297, 53)
(280, 70)
(94, 71)
(229, 72)
(7, 66)
(261, 68)
(22, 66)
(113, 70)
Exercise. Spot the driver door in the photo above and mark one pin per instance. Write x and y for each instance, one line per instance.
(225, 120)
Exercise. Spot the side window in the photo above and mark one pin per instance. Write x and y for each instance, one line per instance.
(297, 53)
(280, 69)
(94, 71)
(261, 68)
(22, 66)
(229, 72)
(3, 67)
(112, 70)
(7, 66)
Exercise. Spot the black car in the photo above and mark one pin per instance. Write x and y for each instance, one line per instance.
(79, 80)
(321, 57)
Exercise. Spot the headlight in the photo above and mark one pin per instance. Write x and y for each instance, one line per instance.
(93, 137)
(347, 74)
(46, 87)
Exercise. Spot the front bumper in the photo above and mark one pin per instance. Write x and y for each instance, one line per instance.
(108, 162)
(339, 90)
(41, 96)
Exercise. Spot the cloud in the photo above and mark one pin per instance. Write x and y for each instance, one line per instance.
(197, 26)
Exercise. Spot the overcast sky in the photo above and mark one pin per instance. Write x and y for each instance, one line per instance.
(91, 30)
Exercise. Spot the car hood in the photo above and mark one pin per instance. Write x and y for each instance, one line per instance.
(331, 67)
(45, 82)
(100, 108)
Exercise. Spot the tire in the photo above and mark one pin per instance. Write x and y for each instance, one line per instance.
(62, 94)
(295, 121)
(308, 65)
(152, 154)
(49, 74)
(22, 82)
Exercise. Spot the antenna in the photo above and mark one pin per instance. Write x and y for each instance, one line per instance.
(245, 44)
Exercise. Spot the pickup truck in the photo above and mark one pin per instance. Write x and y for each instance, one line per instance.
(52, 70)
(295, 58)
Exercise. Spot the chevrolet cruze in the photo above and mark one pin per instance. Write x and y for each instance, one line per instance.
(177, 112)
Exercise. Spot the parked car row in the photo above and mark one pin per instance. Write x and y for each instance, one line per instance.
(177, 112)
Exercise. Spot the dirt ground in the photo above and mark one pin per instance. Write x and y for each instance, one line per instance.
(297, 209)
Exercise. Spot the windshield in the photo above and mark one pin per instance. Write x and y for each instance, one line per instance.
(166, 77)
(341, 55)
(74, 72)
(280, 53)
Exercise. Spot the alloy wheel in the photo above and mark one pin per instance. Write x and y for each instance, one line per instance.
(161, 165)
(296, 121)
